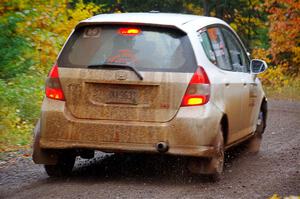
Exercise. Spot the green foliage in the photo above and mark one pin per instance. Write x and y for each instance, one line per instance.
(176, 6)
(20, 100)
(248, 18)
(31, 37)
(15, 49)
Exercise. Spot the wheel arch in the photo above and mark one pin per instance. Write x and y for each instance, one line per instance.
(39, 155)
(224, 126)
(264, 109)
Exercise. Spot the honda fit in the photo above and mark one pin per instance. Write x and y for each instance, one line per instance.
(172, 84)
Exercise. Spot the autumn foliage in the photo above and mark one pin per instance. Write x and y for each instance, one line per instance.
(32, 34)
(284, 33)
(283, 54)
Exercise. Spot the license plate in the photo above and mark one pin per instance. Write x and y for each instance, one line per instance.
(122, 96)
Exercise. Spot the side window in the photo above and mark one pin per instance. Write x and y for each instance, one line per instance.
(239, 59)
(219, 47)
(204, 40)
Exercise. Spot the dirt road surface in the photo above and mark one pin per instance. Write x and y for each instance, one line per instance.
(276, 169)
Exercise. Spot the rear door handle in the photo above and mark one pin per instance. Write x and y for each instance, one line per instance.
(227, 83)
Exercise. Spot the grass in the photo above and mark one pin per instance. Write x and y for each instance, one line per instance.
(16, 140)
(291, 91)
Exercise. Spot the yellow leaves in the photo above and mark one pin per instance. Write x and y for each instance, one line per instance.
(47, 23)
(274, 76)
(260, 53)
(12, 5)
(296, 51)
(284, 32)
(80, 12)
(234, 26)
(194, 9)
(276, 196)
(12, 129)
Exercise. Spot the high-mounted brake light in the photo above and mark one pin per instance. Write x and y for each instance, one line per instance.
(198, 90)
(53, 88)
(129, 31)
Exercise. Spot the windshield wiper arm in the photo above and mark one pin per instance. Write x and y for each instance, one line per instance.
(110, 65)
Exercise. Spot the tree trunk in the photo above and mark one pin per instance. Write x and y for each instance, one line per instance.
(206, 7)
(219, 9)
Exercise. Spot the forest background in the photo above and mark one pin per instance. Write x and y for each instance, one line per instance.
(32, 33)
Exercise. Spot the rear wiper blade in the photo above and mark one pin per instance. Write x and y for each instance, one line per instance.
(111, 65)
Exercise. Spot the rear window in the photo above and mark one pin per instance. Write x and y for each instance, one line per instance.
(145, 48)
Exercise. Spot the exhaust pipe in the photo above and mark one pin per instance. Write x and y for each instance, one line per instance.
(162, 147)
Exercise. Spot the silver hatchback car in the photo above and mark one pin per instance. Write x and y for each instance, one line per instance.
(151, 83)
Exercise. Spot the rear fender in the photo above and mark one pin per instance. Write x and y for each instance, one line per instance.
(203, 165)
(41, 156)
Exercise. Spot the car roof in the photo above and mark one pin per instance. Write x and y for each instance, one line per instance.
(181, 21)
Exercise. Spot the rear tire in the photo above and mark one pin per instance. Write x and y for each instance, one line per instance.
(211, 167)
(63, 167)
(216, 163)
(255, 140)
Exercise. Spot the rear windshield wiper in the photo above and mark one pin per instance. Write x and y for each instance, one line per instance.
(112, 65)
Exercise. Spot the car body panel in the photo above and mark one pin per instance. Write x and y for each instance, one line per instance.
(184, 22)
(185, 134)
(93, 94)
(243, 92)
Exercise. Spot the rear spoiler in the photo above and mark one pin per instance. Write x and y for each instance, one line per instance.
(88, 23)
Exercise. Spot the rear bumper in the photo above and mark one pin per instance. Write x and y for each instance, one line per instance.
(191, 133)
(202, 151)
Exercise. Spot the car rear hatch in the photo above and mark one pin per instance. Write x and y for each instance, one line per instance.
(126, 73)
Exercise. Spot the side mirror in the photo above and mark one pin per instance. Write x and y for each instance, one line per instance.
(258, 66)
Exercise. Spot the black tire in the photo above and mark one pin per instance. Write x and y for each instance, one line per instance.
(255, 141)
(217, 162)
(63, 167)
(211, 167)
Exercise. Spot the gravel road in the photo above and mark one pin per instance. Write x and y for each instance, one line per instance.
(274, 170)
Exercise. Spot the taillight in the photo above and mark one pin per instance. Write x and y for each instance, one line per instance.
(129, 31)
(198, 90)
(53, 87)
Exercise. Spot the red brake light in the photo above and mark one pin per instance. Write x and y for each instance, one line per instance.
(54, 93)
(129, 31)
(53, 88)
(199, 77)
(198, 90)
(53, 72)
